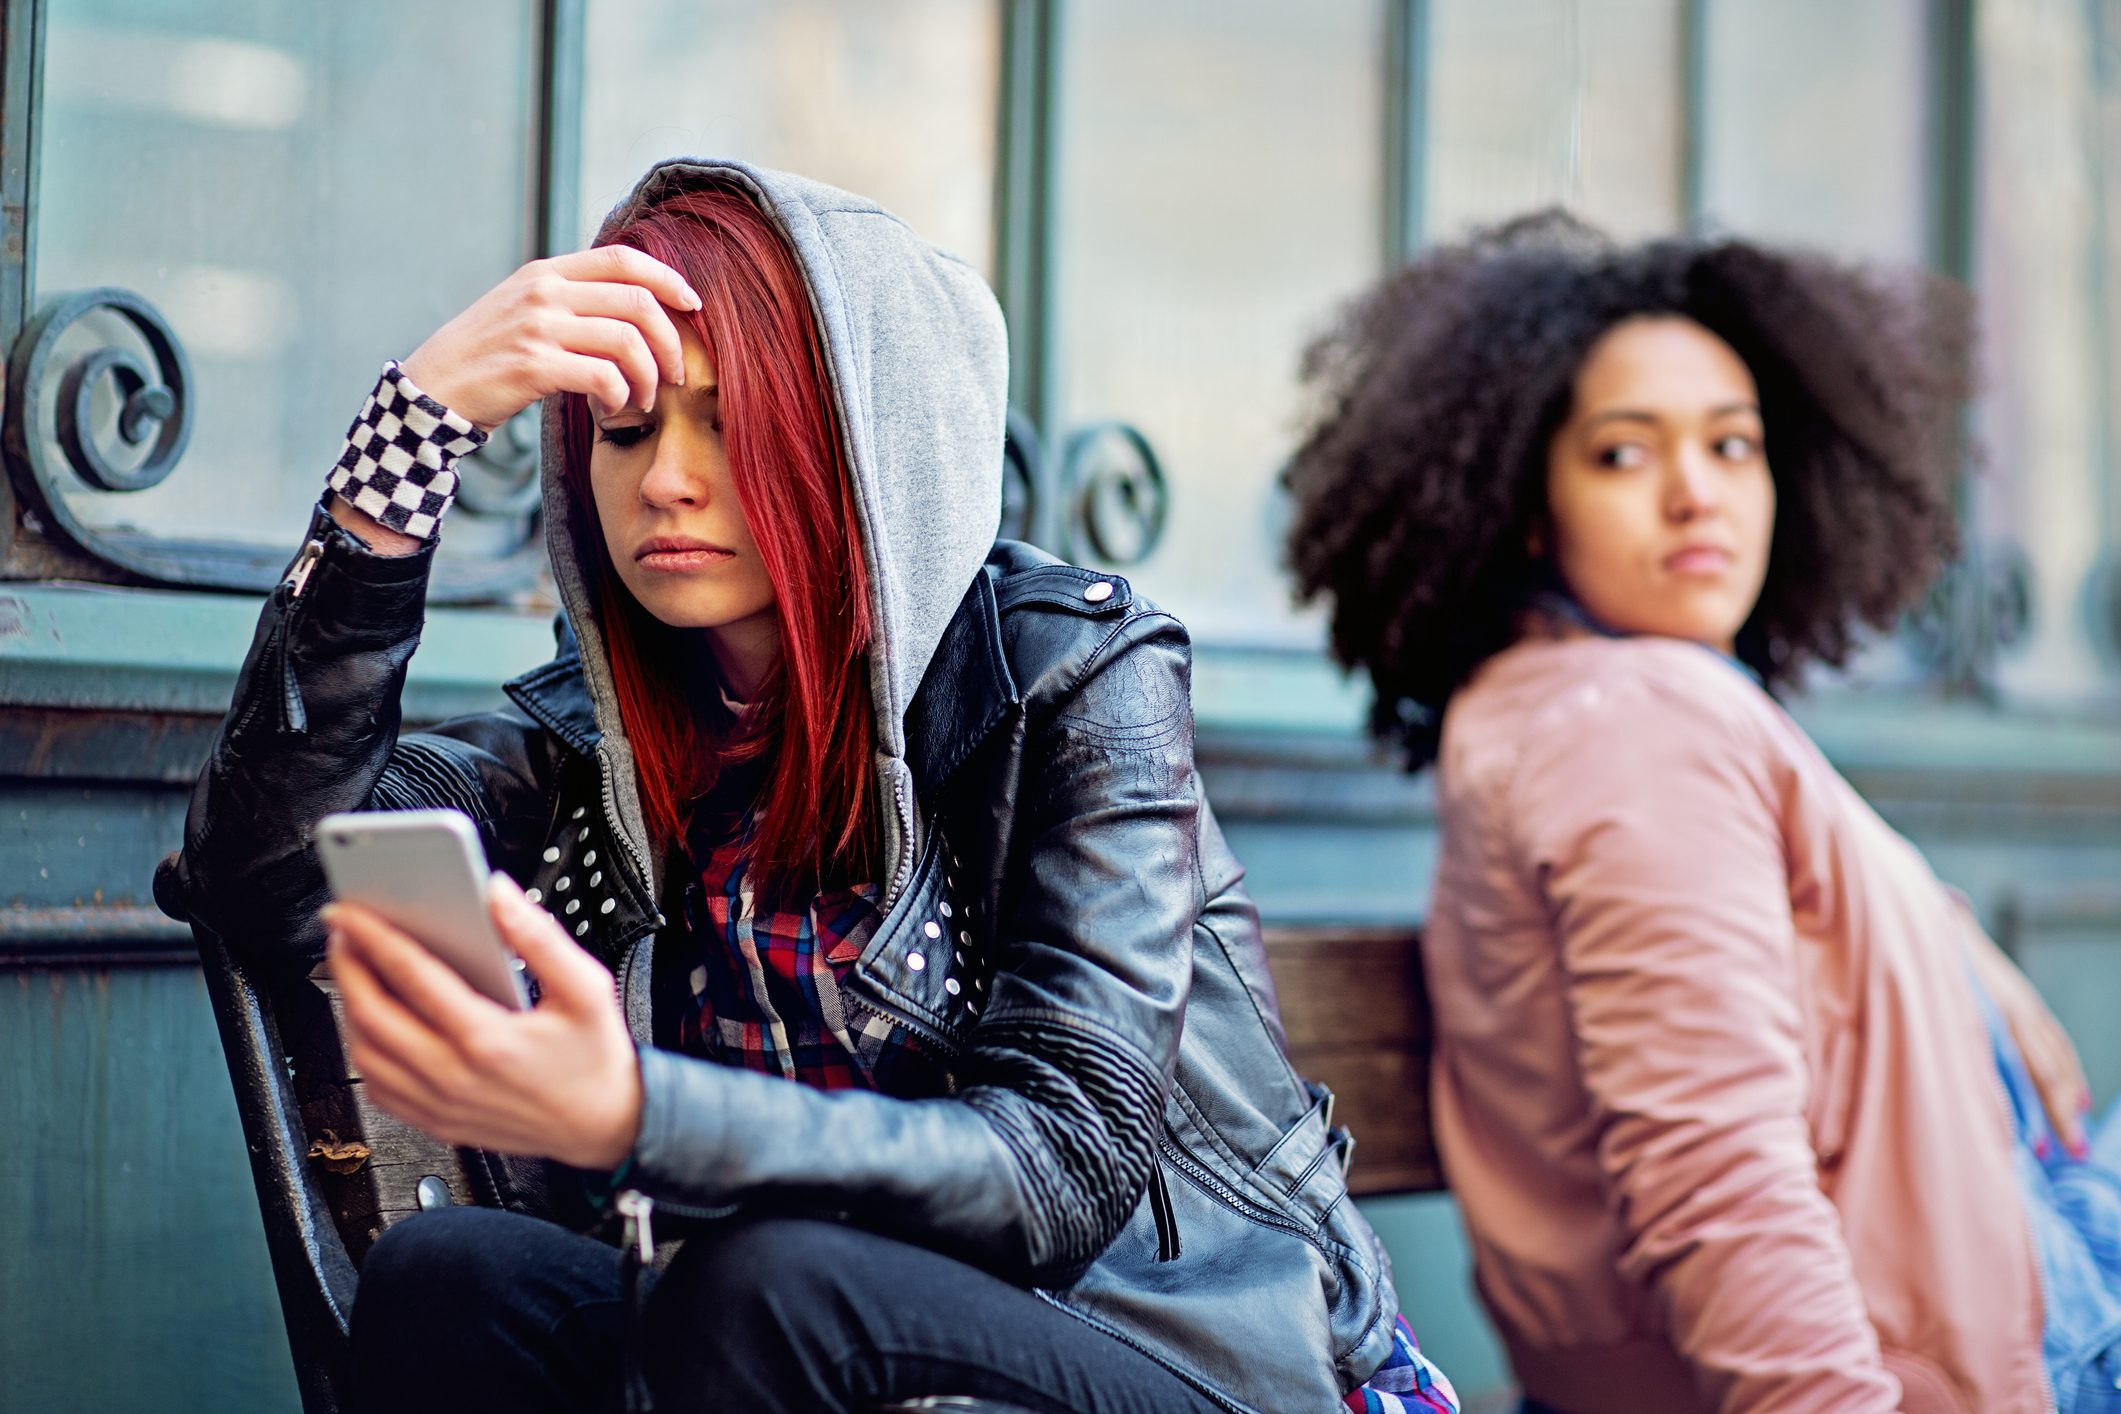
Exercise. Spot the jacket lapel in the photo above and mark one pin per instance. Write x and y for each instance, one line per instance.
(966, 692)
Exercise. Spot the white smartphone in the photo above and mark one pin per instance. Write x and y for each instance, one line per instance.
(424, 871)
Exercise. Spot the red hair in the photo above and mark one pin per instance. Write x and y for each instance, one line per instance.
(817, 810)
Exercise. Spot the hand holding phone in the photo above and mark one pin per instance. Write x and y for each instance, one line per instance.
(424, 872)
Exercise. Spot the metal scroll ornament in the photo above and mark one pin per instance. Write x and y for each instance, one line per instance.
(1979, 608)
(2103, 605)
(501, 478)
(1023, 479)
(1115, 489)
(153, 398)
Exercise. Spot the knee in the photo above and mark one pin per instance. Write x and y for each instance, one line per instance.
(791, 1293)
(432, 1264)
(756, 1266)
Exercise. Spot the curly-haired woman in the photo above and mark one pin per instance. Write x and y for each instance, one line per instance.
(1718, 1057)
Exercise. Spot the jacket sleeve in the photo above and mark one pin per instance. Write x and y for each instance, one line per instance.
(1032, 1168)
(1652, 827)
(313, 729)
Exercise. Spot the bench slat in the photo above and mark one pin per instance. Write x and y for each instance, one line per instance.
(1357, 1014)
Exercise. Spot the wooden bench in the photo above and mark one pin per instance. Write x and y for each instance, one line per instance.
(1352, 1001)
(1357, 1015)
(332, 1171)
(372, 1168)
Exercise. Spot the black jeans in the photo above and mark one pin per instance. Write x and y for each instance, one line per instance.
(470, 1308)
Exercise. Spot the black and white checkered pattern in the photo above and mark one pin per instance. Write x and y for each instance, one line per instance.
(401, 454)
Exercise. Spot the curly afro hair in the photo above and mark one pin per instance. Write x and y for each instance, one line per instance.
(1422, 474)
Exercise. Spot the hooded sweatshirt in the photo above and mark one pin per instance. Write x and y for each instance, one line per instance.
(917, 362)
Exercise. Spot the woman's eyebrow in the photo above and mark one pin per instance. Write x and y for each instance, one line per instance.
(1639, 415)
(1618, 415)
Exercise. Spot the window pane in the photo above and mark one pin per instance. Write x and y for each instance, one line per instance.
(1813, 130)
(303, 191)
(1220, 192)
(897, 102)
(2045, 217)
(1537, 103)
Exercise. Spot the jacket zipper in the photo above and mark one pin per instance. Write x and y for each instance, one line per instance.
(902, 873)
(927, 1031)
(1194, 1170)
(298, 573)
(278, 670)
(638, 1209)
(1161, 1208)
(611, 818)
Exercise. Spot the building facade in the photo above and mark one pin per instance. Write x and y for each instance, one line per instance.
(220, 216)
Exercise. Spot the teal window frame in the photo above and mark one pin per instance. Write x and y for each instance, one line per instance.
(1292, 696)
(30, 493)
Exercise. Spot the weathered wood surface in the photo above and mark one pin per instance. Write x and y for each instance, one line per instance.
(1357, 1015)
(384, 1188)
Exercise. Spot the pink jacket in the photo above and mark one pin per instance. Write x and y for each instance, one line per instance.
(1710, 1085)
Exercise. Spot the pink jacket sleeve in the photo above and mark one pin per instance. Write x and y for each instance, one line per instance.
(1652, 827)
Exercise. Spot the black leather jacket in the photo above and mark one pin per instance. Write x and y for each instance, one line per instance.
(1123, 1133)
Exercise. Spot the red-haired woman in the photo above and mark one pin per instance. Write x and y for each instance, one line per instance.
(941, 1030)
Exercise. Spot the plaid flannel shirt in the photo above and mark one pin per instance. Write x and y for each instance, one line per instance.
(766, 976)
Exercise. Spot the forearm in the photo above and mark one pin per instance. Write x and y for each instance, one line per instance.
(310, 731)
(371, 532)
(1031, 1186)
(1728, 1228)
(316, 712)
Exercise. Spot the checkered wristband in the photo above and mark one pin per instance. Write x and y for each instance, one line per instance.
(401, 454)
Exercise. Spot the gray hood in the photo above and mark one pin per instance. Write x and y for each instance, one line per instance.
(918, 364)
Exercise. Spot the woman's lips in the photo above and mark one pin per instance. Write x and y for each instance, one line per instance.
(1698, 560)
(681, 558)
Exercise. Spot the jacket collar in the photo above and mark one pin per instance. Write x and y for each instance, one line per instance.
(965, 694)
(555, 695)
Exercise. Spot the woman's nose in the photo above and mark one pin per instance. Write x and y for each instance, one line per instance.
(1692, 488)
(671, 480)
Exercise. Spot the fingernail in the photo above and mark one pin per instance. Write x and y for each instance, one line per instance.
(2080, 1151)
(694, 296)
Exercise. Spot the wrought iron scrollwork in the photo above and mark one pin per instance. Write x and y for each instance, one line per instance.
(1106, 499)
(152, 401)
(1023, 479)
(1115, 491)
(61, 438)
(2103, 605)
(1979, 608)
(501, 478)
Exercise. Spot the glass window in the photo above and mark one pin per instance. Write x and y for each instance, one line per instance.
(1535, 103)
(1219, 192)
(1813, 124)
(2049, 175)
(897, 102)
(303, 191)
(1814, 132)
